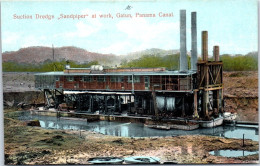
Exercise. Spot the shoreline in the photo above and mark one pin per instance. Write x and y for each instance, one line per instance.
(70, 146)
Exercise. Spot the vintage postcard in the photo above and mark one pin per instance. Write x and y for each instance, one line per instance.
(130, 82)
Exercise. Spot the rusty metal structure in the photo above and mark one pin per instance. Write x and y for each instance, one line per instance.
(187, 93)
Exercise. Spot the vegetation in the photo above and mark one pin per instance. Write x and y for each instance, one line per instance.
(247, 62)
(43, 67)
(169, 61)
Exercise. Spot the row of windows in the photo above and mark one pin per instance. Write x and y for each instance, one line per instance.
(101, 78)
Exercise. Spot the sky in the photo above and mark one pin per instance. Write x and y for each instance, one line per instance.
(231, 24)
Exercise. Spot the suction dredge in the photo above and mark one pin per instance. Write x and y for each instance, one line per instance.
(160, 98)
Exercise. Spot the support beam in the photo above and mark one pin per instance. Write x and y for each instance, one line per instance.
(195, 100)
(129, 103)
(205, 104)
(142, 104)
(119, 104)
(91, 105)
(89, 100)
(105, 103)
(165, 104)
(78, 102)
(150, 106)
(133, 85)
(221, 100)
(47, 97)
(183, 107)
(145, 106)
(155, 104)
(116, 103)
(135, 102)
(217, 102)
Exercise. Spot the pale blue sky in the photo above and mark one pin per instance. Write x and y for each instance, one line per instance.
(231, 24)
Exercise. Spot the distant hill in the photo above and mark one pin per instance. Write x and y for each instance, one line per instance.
(41, 59)
(41, 54)
(34, 55)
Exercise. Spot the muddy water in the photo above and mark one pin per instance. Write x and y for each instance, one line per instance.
(138, 130)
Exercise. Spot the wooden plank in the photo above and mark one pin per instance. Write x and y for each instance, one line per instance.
(216, 88)
(207, 63)
(211, 76)
(218, 73)
(202, 79)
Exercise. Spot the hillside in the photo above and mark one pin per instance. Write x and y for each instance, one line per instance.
(154, 57)
(40, 54)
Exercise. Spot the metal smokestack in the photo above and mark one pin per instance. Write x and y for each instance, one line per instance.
(183, 50)
(216, 53)
(194, 52)
(204, 45)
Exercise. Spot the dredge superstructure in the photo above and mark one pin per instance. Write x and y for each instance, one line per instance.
(157, 92)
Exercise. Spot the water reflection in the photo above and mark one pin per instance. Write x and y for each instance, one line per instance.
(232, 153)
(138, 130)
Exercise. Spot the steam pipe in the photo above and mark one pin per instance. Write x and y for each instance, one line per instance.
(194, 53)
(216, 53)
(183, 50)
(204, 45)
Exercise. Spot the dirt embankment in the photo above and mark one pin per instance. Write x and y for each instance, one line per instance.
(241, 94)
(246, 108)
(37, 146)
(14, 99)
(18, 88)
(241, 84)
